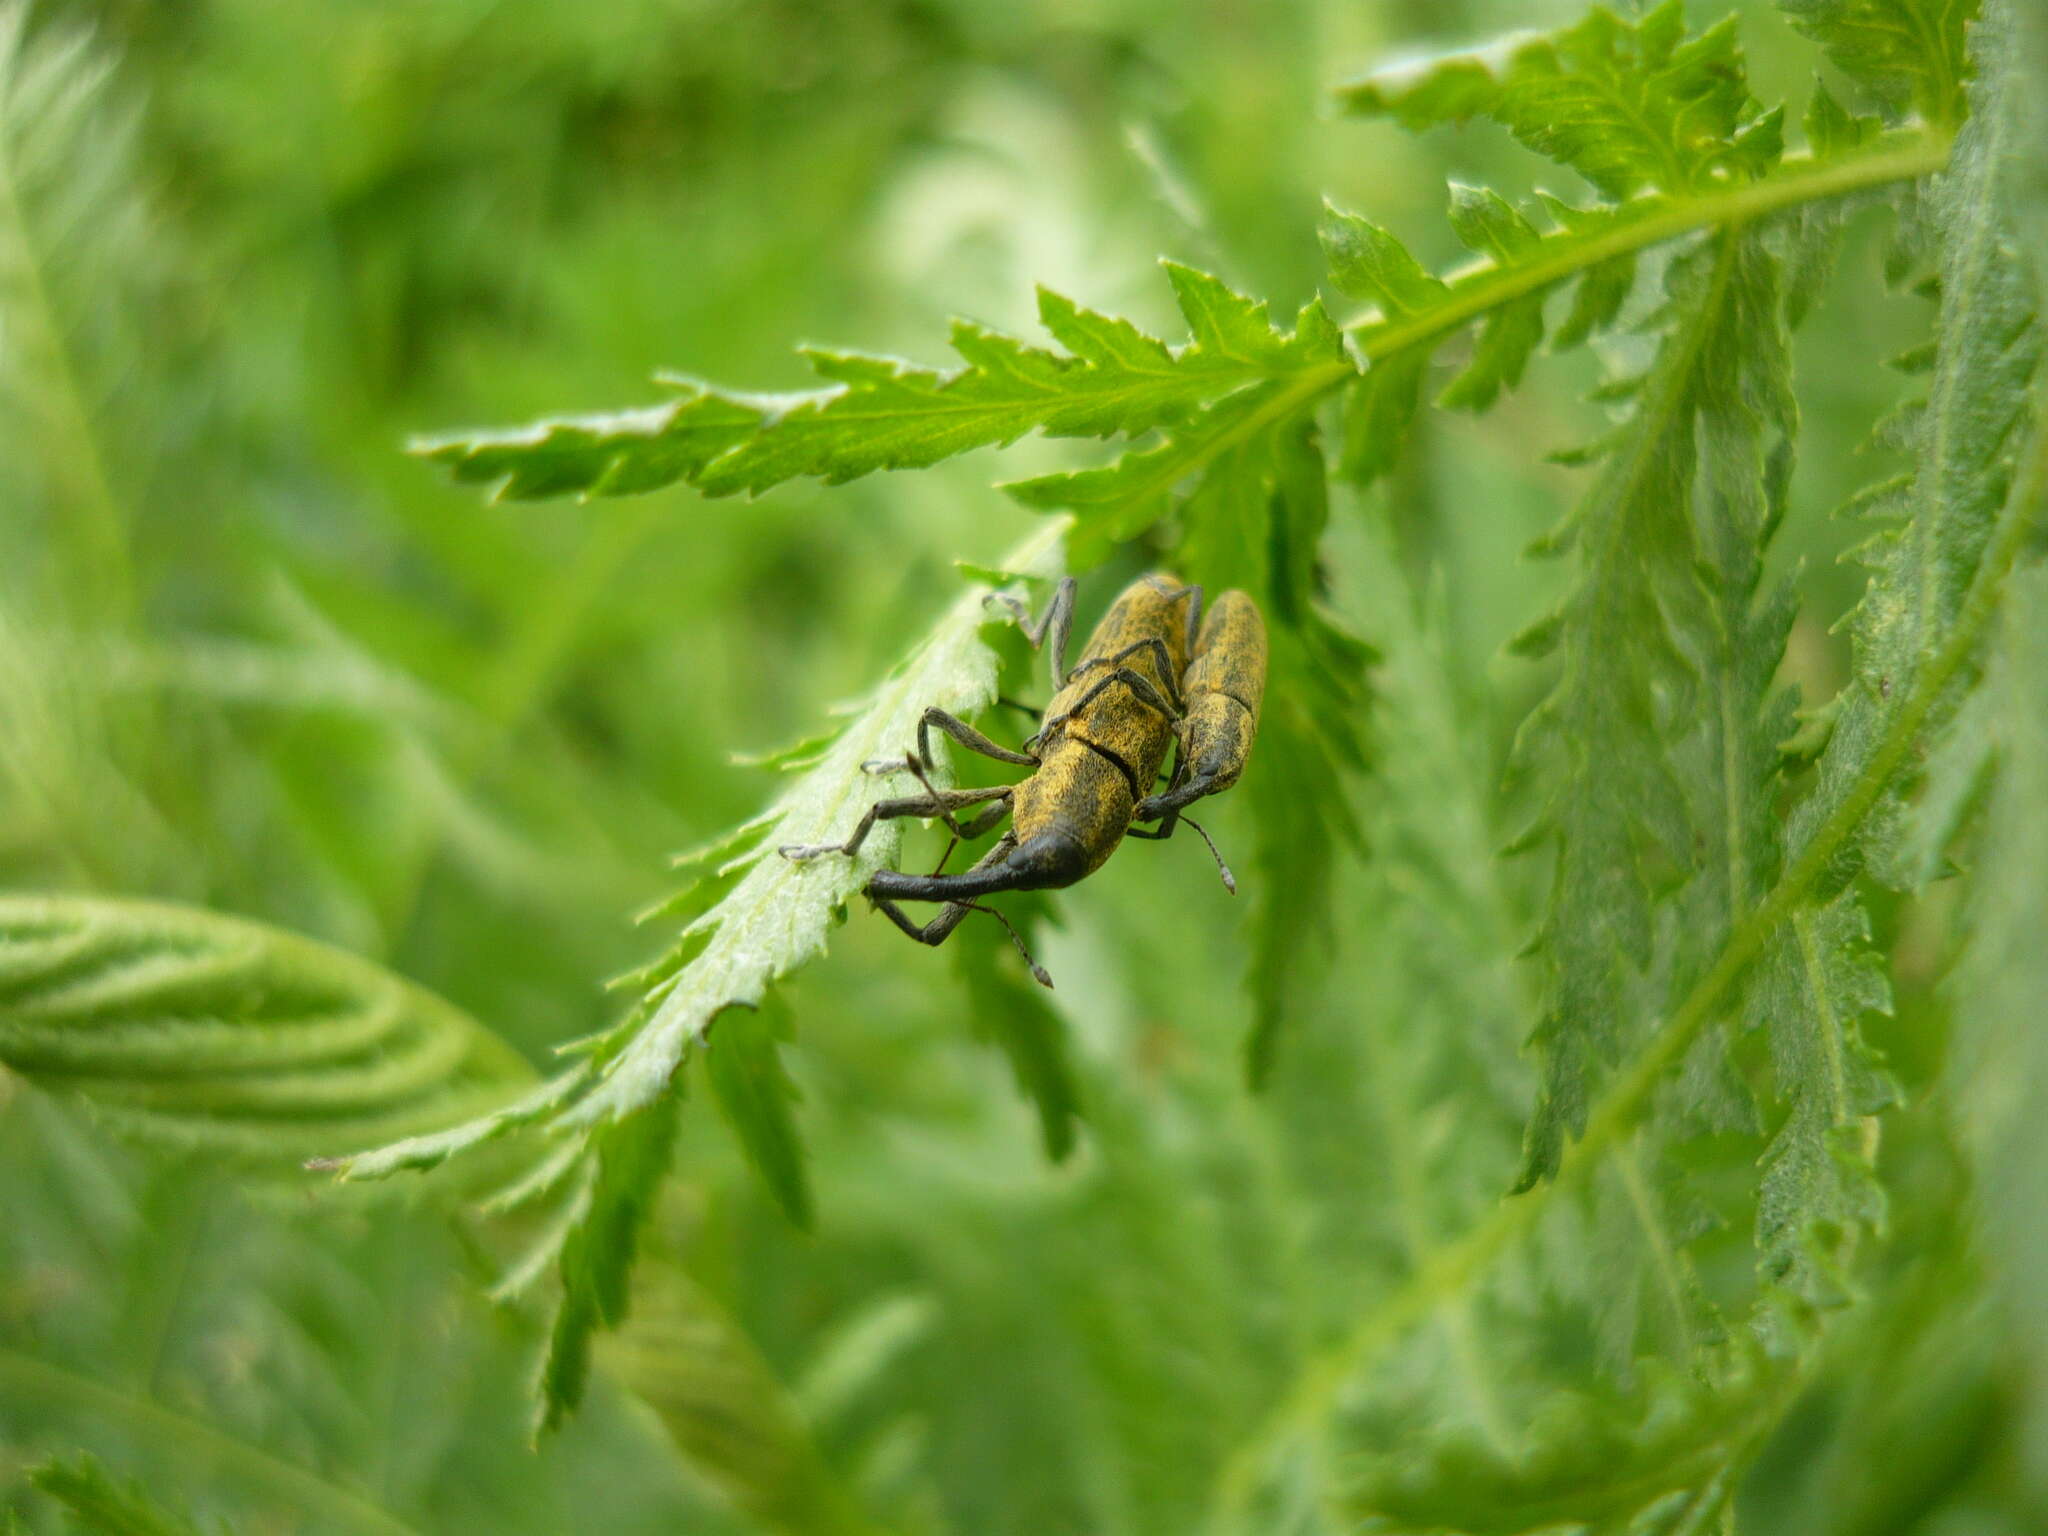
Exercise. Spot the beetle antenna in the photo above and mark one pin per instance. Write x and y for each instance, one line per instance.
(1223, 869)
(1038, 972)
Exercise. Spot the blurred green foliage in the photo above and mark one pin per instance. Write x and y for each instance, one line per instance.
(254, 659)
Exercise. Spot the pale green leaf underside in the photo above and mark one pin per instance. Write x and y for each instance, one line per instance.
(761, 917)
(190, 1027)
(779, 914)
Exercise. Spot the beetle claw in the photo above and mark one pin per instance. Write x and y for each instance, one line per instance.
(798, 853)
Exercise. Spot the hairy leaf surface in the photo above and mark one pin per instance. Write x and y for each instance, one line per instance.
(201, 1030)
(752, 917)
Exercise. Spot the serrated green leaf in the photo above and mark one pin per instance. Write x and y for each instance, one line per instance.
(1369, 263)
(619, 1108)
(753, 1089)
(1595, 245)
(1628, 812)
(1596, 301)
(597, 1244)
(194, 1029)
(1510, 334)
(420, 1153)
(1906, 53)
(614, 454)
(1121, 499)
(1819, 1185)
(1011, 1010)
(1378, 412)
(1912, 643)
(1628, 104)
(777, 914)
(883, 413)
(1830, 128)
(1487, 223)
(1961, 440)
(1310, 749)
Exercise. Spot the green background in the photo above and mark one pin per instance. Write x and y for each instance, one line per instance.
(341, 696)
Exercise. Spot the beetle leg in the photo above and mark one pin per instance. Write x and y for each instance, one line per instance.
(969, 830)
(1140, 685)
(1165, 830)
(1058, 618)
(939, 802)
(941, 927)
(1184, 792)
(967, 736)
(1161, 659)
(979, 823)
(986, 821)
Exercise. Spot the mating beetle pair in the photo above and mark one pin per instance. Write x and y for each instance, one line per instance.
(1156, 672)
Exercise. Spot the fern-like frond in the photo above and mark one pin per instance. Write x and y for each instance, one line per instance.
(1906, 53)
(199, 1030)
(883, 413)
(1788, 958)
(1629, 105)
(1657, 750)
(1660, 122)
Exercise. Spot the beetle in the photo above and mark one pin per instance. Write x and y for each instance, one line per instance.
(1224, 685)
(1155, 674)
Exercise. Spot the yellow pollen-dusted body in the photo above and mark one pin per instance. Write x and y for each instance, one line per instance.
(1224, 686)
(1098, 762)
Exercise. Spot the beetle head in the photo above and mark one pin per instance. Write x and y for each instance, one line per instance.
(1047, 861)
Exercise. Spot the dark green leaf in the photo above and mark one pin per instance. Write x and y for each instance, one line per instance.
(100, 1505)
(759, 1101)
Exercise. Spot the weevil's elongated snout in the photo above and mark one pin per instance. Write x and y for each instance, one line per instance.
(1048, 861)
(1045, 862)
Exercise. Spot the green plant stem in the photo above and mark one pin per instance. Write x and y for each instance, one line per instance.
(1906, 154)
(1458, 1264)
(308, 1491)
(1902, 155)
